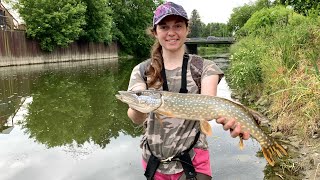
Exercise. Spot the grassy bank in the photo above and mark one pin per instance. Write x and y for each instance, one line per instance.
(276, 61)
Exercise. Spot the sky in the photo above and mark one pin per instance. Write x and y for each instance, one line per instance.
(212, 10)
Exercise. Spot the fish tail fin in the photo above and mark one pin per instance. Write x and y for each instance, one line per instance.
(273, 150)
(281, 149)
(268, 156)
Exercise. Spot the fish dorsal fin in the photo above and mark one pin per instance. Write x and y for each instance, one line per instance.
(205, 127)
(257, 116)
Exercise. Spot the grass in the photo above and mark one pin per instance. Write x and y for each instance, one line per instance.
(282, 63)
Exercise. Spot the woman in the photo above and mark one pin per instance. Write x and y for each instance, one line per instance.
(175, 148)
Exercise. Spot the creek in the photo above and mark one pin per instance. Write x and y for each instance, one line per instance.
(62, 121)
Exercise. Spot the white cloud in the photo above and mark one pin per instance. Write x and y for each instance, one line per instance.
(212, 10)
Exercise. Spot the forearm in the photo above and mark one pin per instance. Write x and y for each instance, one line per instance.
(137, 117)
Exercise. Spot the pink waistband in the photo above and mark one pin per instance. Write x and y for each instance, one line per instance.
(201, 163)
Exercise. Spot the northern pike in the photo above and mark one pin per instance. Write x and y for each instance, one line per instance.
(203, 108)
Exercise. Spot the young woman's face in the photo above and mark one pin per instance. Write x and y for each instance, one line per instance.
(171, 33)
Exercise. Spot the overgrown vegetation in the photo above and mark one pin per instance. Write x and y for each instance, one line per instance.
(131, 18)
(56, 23)
(241, 14)
(308, 7)
(277, 58)
(53, 23)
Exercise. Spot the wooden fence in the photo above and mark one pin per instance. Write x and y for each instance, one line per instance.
(16, 49)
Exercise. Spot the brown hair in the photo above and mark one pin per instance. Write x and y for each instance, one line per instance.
(154, 78)
(154, 72)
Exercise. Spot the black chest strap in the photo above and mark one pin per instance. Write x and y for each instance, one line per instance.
(183, 157)
(183, 88)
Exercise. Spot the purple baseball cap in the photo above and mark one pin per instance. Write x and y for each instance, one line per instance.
(166, 9)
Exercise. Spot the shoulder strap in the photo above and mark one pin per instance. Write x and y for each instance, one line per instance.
(184, 69)
(196, 68)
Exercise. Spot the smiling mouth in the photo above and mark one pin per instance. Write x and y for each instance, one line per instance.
(172, 40)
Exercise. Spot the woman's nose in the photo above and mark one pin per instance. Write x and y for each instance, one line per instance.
(171, 32)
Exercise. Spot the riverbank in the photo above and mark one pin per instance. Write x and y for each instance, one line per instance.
(305, 156)
(275, 69)
(303, 160)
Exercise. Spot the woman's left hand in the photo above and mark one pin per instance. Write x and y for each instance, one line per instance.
(234, 127)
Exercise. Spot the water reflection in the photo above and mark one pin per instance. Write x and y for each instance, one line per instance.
(68, 125)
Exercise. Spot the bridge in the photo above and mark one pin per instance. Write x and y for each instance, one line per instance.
(192, 43)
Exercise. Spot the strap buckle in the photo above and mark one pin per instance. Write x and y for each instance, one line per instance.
(169, 159)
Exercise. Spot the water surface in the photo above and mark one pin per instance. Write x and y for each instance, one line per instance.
(68, 125)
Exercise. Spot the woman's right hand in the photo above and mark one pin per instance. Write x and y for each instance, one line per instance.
(234, 127)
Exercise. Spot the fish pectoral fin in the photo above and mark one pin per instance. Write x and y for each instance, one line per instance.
(241, 145)
(168, 114)
(205, 127)
(159, 119)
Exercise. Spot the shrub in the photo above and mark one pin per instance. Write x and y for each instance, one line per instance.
(244, 72)
(281, 62)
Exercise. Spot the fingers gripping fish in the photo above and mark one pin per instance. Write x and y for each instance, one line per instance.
(203, 108)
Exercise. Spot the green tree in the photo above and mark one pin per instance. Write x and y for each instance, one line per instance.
(98, 21)
(240, 15)
(303, 7)
(131, 19)
(53, 22)
(195, 24)
(216, 29)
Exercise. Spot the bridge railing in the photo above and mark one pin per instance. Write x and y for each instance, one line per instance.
(192, 43)
(211, 40)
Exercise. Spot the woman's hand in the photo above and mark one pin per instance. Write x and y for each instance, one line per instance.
(209, 87)
(234, 127)
(136, 116)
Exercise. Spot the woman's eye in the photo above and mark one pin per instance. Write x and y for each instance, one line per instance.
(163, 27)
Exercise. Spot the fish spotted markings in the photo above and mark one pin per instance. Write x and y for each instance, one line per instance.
(201, 108)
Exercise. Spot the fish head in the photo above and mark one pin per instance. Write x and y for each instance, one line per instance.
(143, 101)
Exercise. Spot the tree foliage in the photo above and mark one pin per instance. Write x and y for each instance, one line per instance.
(216, 29)
(98, 21)
(196, 25)
(240, 15)
(131, 18)
(53, 23)
(303, 7)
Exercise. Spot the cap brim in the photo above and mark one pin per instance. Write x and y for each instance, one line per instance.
(160, 19)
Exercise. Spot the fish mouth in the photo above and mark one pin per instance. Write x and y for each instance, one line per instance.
(118, 96)
(124, 96)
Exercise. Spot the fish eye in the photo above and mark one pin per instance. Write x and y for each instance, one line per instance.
(138, 93)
